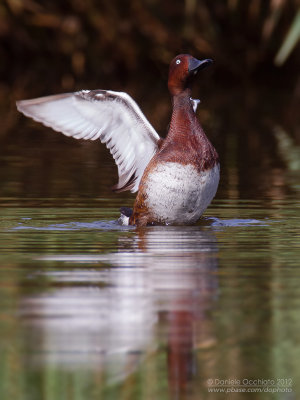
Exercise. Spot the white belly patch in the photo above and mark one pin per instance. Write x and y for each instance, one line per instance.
(179, 194)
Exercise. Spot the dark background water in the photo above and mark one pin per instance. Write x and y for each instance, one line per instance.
(91, 309)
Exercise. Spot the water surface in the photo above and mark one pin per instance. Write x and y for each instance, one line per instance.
(90, 309)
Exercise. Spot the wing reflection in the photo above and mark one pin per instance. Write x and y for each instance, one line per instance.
(153, 296)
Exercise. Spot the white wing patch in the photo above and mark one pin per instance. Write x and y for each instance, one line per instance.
(195, 103)
(112, 117)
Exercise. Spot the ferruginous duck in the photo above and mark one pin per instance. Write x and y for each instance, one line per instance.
(176, 178)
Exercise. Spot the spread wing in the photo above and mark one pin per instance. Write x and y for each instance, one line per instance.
(112, 117)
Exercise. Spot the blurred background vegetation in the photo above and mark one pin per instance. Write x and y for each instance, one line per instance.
(52, 46)
(250, 96)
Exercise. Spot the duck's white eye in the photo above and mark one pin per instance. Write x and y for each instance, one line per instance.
(178, 61)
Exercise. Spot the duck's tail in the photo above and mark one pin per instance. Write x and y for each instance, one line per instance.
(126, 213)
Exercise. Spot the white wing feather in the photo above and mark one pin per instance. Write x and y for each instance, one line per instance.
(112, 117)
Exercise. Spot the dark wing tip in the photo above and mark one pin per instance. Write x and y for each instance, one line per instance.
(128, 185)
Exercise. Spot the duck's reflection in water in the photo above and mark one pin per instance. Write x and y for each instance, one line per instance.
(153, 296)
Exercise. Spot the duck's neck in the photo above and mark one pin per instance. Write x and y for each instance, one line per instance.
(183, 117)
(186, 136)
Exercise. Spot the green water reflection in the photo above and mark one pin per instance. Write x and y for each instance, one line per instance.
(91, 310)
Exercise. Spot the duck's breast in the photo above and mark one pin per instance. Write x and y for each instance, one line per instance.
(179, 194)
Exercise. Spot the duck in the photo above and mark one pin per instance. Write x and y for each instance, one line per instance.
(175, 178)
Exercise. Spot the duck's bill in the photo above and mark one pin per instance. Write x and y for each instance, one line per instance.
(195, 65)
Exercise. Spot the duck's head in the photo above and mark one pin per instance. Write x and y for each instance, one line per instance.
(183, 69)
